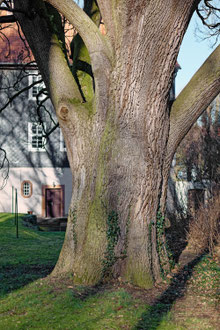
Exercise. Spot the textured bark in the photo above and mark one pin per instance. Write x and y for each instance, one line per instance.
(117, 142)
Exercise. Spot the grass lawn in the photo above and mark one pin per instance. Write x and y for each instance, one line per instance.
(28, 300)
(27, 258)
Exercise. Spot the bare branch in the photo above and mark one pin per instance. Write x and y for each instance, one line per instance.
(18, 93)
(193, 100)
(51, 131)
(24, 42)
(41, 121)
(4, 167)
(7, 19)
(207, 3)
(8, 42)
(204, 20)
(209, 15)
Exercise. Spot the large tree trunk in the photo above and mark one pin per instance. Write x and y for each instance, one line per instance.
(117, 178)
(116, 143)
(117, 155)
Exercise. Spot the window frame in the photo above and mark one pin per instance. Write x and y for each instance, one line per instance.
(33, 76)
(31, 135)
(30, 189)
(5, 6)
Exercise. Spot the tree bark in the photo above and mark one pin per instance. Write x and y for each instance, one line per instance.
(117, 142)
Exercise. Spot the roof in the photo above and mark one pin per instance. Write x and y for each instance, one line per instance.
(13, 48)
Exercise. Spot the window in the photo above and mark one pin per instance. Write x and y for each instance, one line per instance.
(36, 140)
(62, 142)
(36, 89)
(7, 4)
(26, 189)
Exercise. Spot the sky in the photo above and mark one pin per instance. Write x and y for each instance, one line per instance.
(193, 53)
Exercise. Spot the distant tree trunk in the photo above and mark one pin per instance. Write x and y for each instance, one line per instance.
(116, 143)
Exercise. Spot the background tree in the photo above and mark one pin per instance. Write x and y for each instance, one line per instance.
(119, 127)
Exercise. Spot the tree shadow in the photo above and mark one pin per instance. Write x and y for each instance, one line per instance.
(14, 277)
(153, 317)
(84, 292)
(26, 259)
(176, 235)
(179, 220)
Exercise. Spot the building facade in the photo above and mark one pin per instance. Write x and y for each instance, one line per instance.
(37, 164)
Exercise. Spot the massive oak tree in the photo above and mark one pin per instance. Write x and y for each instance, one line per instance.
(121, 131)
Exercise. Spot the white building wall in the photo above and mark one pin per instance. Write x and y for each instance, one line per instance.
(38, 178)
(180, 190)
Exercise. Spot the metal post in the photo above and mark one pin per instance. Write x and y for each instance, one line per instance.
(16, 212)
(12, 204)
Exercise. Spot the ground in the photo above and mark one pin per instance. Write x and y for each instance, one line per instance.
(188, 298)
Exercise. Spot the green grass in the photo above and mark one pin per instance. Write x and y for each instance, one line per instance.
(207, 277)
(39, 308)
(27, 258)
(28, 300)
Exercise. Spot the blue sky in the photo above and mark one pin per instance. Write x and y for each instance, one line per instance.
(193, 53)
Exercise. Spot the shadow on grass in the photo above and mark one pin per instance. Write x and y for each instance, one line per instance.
(17, 276)
(153, 317)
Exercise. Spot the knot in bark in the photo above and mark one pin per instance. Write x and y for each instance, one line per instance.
(63, 113)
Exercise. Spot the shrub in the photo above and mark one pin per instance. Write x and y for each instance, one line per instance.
(204, 229)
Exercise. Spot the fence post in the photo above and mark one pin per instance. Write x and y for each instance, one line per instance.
(16, 212)
(12, 202)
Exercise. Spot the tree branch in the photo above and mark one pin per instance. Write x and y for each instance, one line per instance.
(209, 15)
(18, 93)
(4, 166)
(7, 19)
(189, 105)
(98, 45)
(48, 53)
(209, 5)
(193, 100)
(46, 135)
(204, 22)
(106, 9)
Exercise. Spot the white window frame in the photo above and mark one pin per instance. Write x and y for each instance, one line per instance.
(33, 92)
(62, 142)
(31, 135)
(5, 6)
(26, 189)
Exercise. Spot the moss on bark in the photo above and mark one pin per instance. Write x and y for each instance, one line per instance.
(73, 219)
(138, 275)
(112, 234)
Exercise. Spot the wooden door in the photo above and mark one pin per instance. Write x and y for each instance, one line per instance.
(53, 203)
